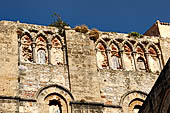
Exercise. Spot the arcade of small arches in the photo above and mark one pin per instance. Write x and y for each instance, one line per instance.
(40, 48)
(141, 56)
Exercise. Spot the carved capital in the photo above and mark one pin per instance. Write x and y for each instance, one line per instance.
(49, 46)
(33, 45)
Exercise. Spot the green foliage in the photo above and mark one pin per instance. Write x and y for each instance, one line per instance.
(58, 22)
(135, 35)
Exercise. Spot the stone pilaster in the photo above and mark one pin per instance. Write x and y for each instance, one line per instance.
(33, 45)
(122, 60)
(133, 55)
(49, 46)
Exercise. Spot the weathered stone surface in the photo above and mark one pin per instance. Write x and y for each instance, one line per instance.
(43, 71)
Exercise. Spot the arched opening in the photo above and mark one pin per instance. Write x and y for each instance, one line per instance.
(135, 105)
(26, 49)
(153, 60)
(55, 106)
(141, 65)
(41, 56)
(114, 60)
(127, 56)
(102, 60)
(41, 50)
(140, 59)
(56, 52)
(136, 108)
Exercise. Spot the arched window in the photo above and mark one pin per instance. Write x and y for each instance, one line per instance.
(135, 105)
(141, 65)
(136, 108)
(41, 50)
(41, 56)
(102, 60)
(153, 60)
(128, 59)
(55, 106)
(114, 61)
(56, 52)
(140, 59)
(26, 49)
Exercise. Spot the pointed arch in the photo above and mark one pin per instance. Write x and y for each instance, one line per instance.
(114, 55)
(127, 56)
(140, 58)
(129, 44)
(140, 45)
(114, 42)
(101, 41)
(56, 51)
(41, 49)
(101, 55)
(26, 52)
(153, 57)
(59, 38)
(153, 46)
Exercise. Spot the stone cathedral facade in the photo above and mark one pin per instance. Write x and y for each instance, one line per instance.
(47, 70)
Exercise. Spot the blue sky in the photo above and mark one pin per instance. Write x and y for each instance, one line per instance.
(106, 15)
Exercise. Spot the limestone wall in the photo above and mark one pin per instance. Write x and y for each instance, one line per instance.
(164, 29)
(82, 67)
(8, 60)
(165, 45)
(9, 105)
(46, 69)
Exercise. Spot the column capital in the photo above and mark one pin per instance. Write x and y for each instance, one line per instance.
(108, 49)
(146, 53)
(49, 46)
(33, 45)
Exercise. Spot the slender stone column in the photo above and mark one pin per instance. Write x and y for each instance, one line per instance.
(108, 57)
(133, 55)
(122, 60)
(160, 61)
(33, 45)
(64, 54)
(49, 46)
(19, 50)
(147, 61)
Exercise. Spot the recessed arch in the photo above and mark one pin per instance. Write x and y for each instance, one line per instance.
(60, 96)
(59, 38)
(126, 42)
(101, 55)
(25, 48)
(101, 41)
(140, 45)
(114, 55)
(153, 46)
(114, 42)
(130, 99)
(127, 56)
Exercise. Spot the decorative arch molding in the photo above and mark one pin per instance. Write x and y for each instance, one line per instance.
(154, 46)
(59, 38)
(114, 42)
(54, 98)
(56, 88)
(141, 45)
(101, 41)
(129, 93)
(41, 34)
(132, 97)
(128, 43)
